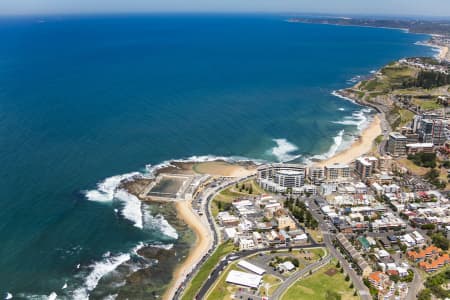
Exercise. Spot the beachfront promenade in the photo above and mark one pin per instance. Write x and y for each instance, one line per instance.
(199, 253)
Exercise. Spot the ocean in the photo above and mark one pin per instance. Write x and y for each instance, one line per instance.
(86, 100)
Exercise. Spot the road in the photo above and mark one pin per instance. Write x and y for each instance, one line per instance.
(235, 256)
(328, 240)
(296, 276)
(415, 286)
(204, 199)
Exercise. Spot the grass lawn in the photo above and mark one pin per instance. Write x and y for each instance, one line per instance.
(316, 286)
(427, 104)
(214, 209)
(224, 291)
(315, 234)
(206, 269)
(221, 289)
(318, 252)
(231, 193)
(272, 281)
(406, 116)
(410, 165)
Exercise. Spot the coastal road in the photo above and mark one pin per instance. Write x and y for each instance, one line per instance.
(204, 199)
(296, 276)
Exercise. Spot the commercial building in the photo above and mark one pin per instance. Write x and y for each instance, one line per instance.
(432, 131)
(282, 177)
(243, 279)
(396, 145)
(251, 267)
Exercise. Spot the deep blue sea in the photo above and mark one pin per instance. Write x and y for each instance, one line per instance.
(87, 98)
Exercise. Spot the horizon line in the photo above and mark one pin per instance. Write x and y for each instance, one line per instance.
(182, 12)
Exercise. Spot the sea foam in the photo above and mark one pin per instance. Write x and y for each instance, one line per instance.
(338, 141)
(106, 189)
(132, 209)
(159, 223)
(98, 270)
(283, 150)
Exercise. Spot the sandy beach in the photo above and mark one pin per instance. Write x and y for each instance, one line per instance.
(198, 250)
(360, 147)
(444, 55)
(222, 168)
(201, 228)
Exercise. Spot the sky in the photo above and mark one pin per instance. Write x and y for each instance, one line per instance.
(367, 7)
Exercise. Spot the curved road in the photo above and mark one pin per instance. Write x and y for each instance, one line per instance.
(296, 276)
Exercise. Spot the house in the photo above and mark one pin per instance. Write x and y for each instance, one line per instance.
(426, 253)
(435, 264)
(286, 221)
(246, 244)
(379, 280)
(286, 266)
(229, 233)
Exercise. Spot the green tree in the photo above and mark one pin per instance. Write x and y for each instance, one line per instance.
(440, 241)
(424, 294)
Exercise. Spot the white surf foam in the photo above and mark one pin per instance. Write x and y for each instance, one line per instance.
(159, 223)
(132, 209)
(164, 246)
(336, 94)
(99, 269)
(334, 148)
(283, 150)
(358, 119)
(106, 189)
(52, 296)
(354, 79)
(9, 296)
(150, 170)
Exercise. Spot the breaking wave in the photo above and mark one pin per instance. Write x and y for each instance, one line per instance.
(338, 142)
(106, 189)
(98, 270)
(159, 223)
(283, 150)
(132, 209)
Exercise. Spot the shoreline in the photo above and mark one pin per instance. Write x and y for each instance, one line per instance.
(359, 147)
(198, 249)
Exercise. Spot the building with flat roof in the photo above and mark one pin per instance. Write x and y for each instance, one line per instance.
(365, 166)
(419, 147)
(432, 131)
(337, 172)
(396, 144)
(281, 177)
(251, 267)
(244, 279)
(316, 175)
